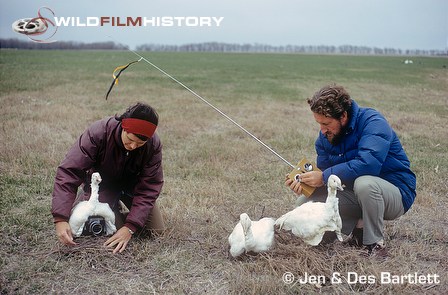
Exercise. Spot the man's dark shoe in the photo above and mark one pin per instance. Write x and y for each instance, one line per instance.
(355, 239)
(328, 238)
(376, 251)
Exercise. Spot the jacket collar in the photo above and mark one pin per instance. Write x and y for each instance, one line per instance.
(353, 115)
(117, 135)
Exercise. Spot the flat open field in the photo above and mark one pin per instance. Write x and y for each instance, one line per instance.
(213, 170)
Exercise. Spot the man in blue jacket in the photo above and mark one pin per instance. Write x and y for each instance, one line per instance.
(358, 145)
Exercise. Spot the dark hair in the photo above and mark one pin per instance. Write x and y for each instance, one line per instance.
(140, 111)
(331, 101)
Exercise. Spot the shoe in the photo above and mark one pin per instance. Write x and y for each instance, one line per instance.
(355, 238)
(328, 238)
(376, 250)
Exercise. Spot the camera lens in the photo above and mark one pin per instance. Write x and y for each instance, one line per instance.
(96, 228)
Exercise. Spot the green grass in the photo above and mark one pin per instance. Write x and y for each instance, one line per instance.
(213, 171)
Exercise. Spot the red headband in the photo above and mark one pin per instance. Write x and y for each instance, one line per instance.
(138, 126)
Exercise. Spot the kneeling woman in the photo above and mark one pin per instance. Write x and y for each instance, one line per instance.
(127, 153)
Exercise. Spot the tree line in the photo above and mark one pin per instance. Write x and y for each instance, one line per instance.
(320, 49)
(223, 47)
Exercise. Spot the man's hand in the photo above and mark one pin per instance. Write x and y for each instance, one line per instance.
(312, 178)
(119, 240)
(64, 233)
(294, 185)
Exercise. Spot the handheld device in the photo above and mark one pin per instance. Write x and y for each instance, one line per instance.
(304, 166)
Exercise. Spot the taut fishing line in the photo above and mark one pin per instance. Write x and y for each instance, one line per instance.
(303, 166)
(198, 96)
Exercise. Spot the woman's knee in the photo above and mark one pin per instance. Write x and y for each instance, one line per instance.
(156, 222)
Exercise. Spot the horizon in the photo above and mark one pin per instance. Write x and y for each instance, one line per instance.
(230, 47)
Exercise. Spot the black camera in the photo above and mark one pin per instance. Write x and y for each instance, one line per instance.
(94, 226)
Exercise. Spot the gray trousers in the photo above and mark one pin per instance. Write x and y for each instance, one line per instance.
(372, 199)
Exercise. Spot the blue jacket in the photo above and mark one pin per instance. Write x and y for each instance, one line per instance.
(369, 147)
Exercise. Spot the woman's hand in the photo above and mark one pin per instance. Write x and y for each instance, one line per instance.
(119, 240)
(64, 233)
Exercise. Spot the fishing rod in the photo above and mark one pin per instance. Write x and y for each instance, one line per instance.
(197, 96)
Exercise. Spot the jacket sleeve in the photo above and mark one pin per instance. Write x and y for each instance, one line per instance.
(147, 189)
(71, 172)
(374, 140)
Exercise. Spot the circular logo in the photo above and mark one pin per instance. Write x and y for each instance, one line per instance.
(35, 28)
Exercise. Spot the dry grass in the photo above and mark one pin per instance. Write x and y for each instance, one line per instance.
(213, 171)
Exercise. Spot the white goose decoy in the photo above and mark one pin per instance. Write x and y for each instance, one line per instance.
(311, 220)
(92, 207)
(251, 236)
(237, 241)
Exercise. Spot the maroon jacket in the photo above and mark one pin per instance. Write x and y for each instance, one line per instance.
(100, 149)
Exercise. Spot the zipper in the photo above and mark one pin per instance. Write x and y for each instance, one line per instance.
(125, 160)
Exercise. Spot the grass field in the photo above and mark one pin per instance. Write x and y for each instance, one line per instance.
(213, 171)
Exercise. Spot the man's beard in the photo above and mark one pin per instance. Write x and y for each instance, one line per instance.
(336, 138)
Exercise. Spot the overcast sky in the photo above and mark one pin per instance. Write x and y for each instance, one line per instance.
(400, 24)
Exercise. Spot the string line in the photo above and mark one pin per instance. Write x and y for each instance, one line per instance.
(209, 104)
